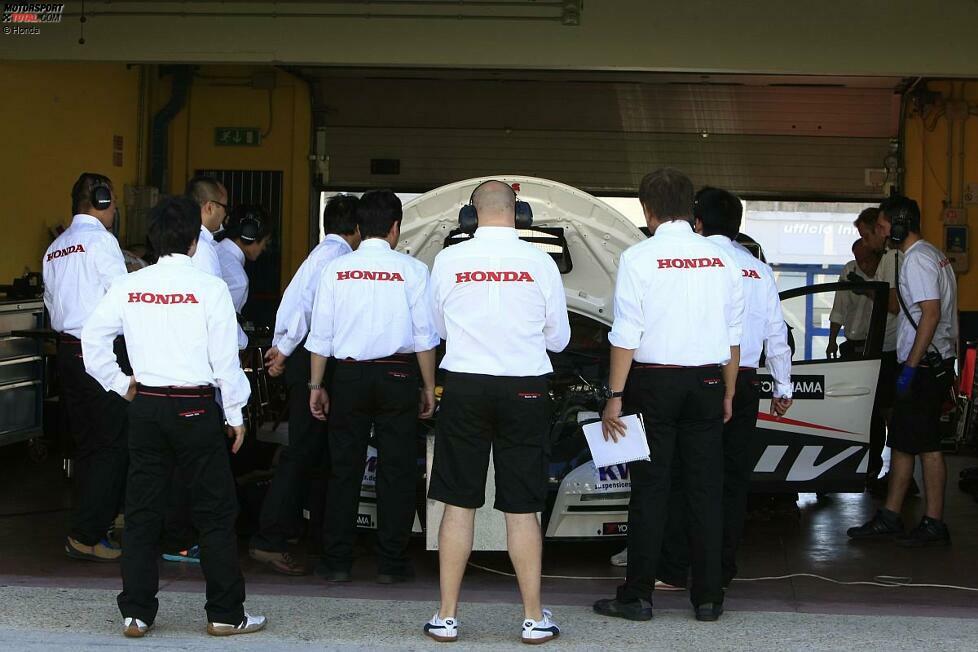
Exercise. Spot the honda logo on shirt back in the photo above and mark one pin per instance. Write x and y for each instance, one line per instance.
(364, 275)
(495, 277)
(689, 263)
(147, 297)
(59, 253)
(751, 273)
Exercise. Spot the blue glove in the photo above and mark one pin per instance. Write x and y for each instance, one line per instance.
(905, 380)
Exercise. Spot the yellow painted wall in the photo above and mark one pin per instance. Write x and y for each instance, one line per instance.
(926, 176)
(221, 96)
(56, 121)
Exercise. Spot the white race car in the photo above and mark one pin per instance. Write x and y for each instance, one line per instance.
(822, 446)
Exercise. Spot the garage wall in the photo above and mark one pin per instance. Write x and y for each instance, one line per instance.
(56, 121)
(927, 179)
(758, 140)
(859, 37)
(224, 96)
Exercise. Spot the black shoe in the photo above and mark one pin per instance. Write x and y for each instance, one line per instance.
(332, 576)
(885, 524)
(394, 578)
(709, 612)
(929, 532)
(637, 610)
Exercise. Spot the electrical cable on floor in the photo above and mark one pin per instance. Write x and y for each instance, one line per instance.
(883, 581)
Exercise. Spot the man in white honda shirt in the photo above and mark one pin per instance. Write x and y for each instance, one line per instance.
(179, 325)
(927, 341)
(372, 313)
(499, 303)
(179, 538)
(718, 216)
(245, 237)
(679, 308)
(78, 268)
(282, 510)
(212, 197)
(872, 236)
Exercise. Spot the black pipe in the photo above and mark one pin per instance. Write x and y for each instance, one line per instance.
(182, 77)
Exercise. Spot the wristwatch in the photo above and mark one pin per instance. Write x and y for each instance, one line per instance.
(607, 394)
(315, 386)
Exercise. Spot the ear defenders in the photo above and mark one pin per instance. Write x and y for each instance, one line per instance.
(468, 218)
(252, 226)
(101, 195)
(899, 226)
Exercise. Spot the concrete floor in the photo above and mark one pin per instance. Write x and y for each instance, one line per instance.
(53, 603)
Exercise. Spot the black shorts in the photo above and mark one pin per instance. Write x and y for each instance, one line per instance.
(886, 389)
(509, 416)
(916, 420)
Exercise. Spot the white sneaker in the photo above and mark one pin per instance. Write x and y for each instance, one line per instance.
(249, 625)
(536, 632)
(664, 586)
(134, 628)
(443, 631)
(621, 559)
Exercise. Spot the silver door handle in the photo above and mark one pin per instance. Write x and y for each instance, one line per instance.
(847, 391)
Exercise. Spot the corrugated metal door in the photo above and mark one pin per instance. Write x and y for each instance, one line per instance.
(777, 140)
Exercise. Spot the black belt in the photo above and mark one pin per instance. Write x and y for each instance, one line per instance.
(199, 391)
(644, 365)
(397, 358)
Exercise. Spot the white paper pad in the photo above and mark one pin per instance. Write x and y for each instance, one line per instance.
(632, 447)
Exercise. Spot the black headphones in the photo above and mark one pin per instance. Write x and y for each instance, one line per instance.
(251, 226)
(899, 226)
(100, 195)
(468, 218)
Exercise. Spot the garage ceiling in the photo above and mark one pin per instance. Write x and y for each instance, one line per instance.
(777, 136)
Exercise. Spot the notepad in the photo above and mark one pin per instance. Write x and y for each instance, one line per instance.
(634, 446)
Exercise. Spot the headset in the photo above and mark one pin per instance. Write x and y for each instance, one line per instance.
(468, 218)
(899, 226)
(248, 223)
(100, 195)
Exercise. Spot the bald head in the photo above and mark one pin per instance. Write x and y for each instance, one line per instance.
(495, 203)
(865, 256)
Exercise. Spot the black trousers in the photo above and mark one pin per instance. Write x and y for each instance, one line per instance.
(683, 413)
(281, 511)
(382, 394)
(738, 465)
(165, 432)
(97, 419)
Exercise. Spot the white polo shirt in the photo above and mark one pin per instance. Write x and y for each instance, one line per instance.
(850, 310)
(499, 303)
(78, 269)
(886, 272)
(764, 328)
(679, 299)
(205, 257)
(372, 304)
(295, 311)
(926, 274)
(232, 261)
(179, 326)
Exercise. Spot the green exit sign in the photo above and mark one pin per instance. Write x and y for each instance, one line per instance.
(237, 136)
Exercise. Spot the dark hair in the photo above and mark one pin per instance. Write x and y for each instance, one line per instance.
(174, 226)
(202, 189)
(903, 208)
(81, 192)
(667, 193)
(719, 210)
(377, 212)
(247, 213)
(340, 215)
(867, 217)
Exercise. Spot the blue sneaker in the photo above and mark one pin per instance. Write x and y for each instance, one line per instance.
(189, 556)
